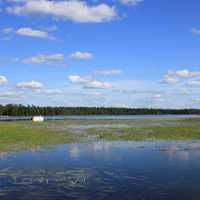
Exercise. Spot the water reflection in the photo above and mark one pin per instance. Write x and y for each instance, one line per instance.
(107, 126)
(74, 151)
(104, 170)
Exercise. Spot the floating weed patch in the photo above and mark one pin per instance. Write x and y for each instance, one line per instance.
(26, 135)
(74, 183)
(148, 133)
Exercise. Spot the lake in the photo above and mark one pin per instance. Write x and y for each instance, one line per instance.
(104, 170)
(99, 117)
(117, 117)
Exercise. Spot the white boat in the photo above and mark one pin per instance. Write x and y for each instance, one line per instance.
(38, 119)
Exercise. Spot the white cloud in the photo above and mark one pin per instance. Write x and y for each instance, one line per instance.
(74, 10)
(81, 56)
(109, 72)
(41, 59)
(131, 2)
(50, 92)
(30, 85)
(8, 30)
(158, 97)
(89, 83)
(77, 79)
(196, 31)
(94, 84)
(185, 73)
(3, 80)
(169, 79)
(29, 32)
(173, 76)
(10, 94)
(194, 83)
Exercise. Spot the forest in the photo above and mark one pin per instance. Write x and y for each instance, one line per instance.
(31, 110)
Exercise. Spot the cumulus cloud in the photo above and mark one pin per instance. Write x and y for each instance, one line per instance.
(184, 73)
(89, 83)
(169, 79)
(173, 76)
(3, 80)
(109, 72)
(76, 11)
(131, 2)
(28, 32)
(34, 85)
(81, 56)
(42, 59)
(77, 79)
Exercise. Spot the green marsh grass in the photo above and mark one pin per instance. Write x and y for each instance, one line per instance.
(27, 135)
(19, 136)
(148, 133)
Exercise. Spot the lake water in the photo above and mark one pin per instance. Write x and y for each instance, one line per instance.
(117, 117)
(99, 117)
(104, 170)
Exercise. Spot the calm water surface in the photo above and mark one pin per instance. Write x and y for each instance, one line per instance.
(118, 117)
(104, 170)
(99, 117)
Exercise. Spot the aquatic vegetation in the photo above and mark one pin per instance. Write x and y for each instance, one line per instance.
(148, 133)
(153, 129)
(16, 136)
(26, 135)
(74, 183)
(64, 180)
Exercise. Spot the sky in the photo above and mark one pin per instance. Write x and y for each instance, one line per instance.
(119, 53)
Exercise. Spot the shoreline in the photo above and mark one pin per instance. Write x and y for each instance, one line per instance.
(100, 117)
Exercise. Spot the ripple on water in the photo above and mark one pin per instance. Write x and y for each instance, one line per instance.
(104, 170)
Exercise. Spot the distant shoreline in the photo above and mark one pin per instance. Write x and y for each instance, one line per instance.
(100, 117)
(21, 110)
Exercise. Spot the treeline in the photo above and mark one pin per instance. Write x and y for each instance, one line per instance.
(31, 110)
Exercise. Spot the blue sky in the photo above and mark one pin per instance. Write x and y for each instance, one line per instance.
(127, 53)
